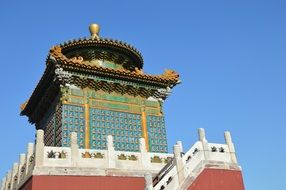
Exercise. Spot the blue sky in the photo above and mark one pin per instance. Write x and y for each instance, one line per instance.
(231, 56)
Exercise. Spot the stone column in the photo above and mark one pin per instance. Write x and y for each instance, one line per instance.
(39, 152)
(203, 140)
(148, 181)
(228, 141)
(74, 149)
(179, 163)
(110, 152)
(22, 160)
(144, 154)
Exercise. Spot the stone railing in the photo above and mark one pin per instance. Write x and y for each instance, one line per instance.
(171, 170)
(190, 164)
(44, 160)
(102, 159)
(21, 171)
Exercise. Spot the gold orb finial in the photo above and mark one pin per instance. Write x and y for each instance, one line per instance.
(94, 31)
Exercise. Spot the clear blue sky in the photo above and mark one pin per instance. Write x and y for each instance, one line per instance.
(231, 56)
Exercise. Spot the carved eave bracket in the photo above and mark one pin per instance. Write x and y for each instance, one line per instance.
(64, 77)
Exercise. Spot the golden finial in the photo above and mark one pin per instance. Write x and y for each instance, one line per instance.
(94, 31)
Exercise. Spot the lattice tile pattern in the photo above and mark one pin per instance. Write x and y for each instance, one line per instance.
(126, 129)
(49, 139)
(157, 134)
(73, 121)
(58, 126)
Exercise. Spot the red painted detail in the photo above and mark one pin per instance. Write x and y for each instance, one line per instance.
(84, 183)
(218, 179)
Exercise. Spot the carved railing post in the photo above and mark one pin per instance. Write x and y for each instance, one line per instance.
(8, 180)
(14, 173)
(179, 163)
(230, 145)
(110, 152)
(22, 160)
(74, 149)
(30, 152)
(181, 145)
(39, 152)
(148, 181)
(3, 183)
(144, 155)
(203, 140)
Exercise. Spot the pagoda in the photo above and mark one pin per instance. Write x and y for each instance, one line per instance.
(100, 125)
(97, 87)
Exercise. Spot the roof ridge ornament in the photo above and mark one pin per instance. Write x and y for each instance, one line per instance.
(94, 31)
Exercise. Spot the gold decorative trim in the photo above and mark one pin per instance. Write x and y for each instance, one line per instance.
(145, 130)
(104, 108)
(87, 127)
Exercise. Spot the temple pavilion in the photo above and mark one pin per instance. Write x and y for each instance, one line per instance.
(100, 125)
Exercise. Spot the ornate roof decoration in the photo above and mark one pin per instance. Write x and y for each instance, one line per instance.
(22, 106)
(169, 77)
(106, 44)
